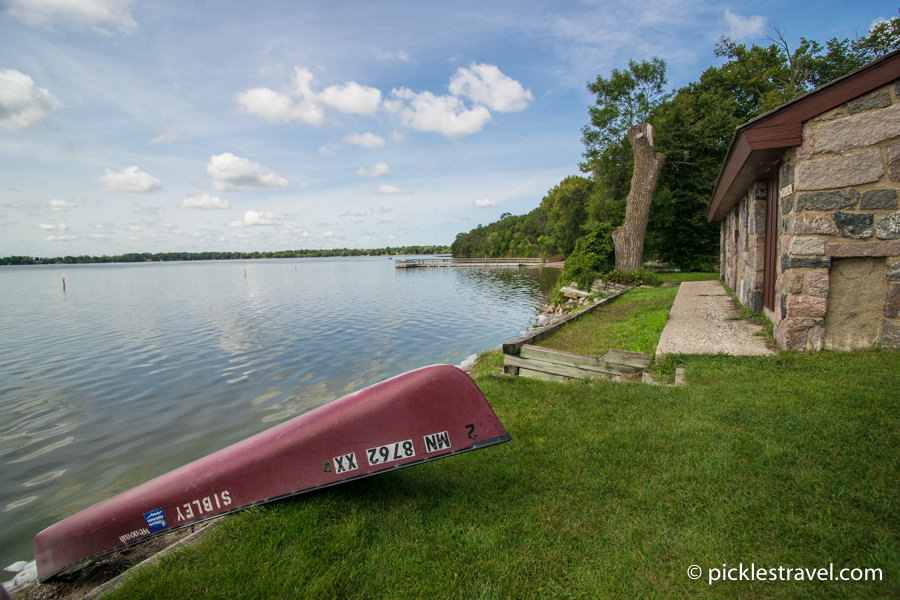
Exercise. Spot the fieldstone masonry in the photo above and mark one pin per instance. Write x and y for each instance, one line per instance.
(875, 199)
(894, 162)
(855, 225)
(838, 214)
(855, 168)
(742, 248)
(878, 99)
(888, 228)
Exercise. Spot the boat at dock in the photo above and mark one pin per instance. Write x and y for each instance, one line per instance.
(423, 415)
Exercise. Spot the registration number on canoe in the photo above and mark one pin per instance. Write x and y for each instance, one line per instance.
(390, 452)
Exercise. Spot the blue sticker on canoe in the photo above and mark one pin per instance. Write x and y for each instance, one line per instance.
(156, 520)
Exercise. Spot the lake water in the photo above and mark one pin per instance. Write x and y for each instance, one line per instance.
(136, 369)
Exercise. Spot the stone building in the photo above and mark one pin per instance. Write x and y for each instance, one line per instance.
(808, 204)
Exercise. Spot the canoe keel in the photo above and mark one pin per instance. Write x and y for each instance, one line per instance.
(419, 416)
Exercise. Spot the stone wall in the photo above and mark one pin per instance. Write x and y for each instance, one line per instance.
(838, 199)
(742, 247)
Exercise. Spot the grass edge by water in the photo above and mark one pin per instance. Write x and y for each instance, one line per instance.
(759, 458)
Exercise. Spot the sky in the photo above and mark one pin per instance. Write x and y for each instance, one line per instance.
(185, 126)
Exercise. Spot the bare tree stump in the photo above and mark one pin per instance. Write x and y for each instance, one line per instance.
(629, 238)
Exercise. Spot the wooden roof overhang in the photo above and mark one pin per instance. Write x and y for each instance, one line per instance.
(758, 144)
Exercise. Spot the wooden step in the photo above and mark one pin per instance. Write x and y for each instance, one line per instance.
(568, 365)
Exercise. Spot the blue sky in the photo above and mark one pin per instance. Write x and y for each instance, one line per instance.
(133, 125)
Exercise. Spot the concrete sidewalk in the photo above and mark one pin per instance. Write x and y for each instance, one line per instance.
(702, 321)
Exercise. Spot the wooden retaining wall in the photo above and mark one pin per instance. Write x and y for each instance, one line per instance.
(523, 358)
(536, 335)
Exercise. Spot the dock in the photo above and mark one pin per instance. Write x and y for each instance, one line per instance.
(458, 263)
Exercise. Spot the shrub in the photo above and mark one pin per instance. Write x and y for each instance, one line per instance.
(631, 277)
(594, 254)
(557, 298)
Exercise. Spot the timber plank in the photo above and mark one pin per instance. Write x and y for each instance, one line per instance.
(541, 375)
(582, 371)
(569, 371)
(625, 357)
(619, 362)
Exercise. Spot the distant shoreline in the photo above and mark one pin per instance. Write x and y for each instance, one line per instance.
(139, 257)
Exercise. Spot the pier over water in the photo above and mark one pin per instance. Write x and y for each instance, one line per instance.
(486, 262)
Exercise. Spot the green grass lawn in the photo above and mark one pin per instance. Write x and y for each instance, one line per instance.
(633, 321)
(687, 276)
(607, 490)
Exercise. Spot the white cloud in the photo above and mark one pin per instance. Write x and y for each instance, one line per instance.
(204, 201)
(486, 203)
(380, 210)
(129, 179)
(253, 217)
(352, 98)
(487, 85)
(99, 15)
(61, 205)
(442, 114)
(380, 169)
(300, 102)
(167, 136)
(301, 83)
(278, 107)
(53, 226)
(366, 140)
(741, 28)
(484, 86)
(24, 105)
(235, 172)
(388, 189)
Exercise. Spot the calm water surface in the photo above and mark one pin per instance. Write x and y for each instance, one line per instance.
(137, 369)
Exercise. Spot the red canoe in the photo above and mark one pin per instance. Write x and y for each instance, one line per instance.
(415, 417)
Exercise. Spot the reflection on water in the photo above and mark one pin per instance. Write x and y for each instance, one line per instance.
(137, 369)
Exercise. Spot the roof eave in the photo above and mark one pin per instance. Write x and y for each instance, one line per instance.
(758, 143)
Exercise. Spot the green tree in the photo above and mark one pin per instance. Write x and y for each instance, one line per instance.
(566, 206)
(624, 100)
(883, 39)
(693, 128)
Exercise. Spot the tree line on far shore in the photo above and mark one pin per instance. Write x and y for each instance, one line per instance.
(133, 257)
(693, 127)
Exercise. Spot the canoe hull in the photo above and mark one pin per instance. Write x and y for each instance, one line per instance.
(419, 416)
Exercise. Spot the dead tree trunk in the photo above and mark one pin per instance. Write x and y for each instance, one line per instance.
(629, 238)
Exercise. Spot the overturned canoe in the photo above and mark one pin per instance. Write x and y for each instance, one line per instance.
(419, 416)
